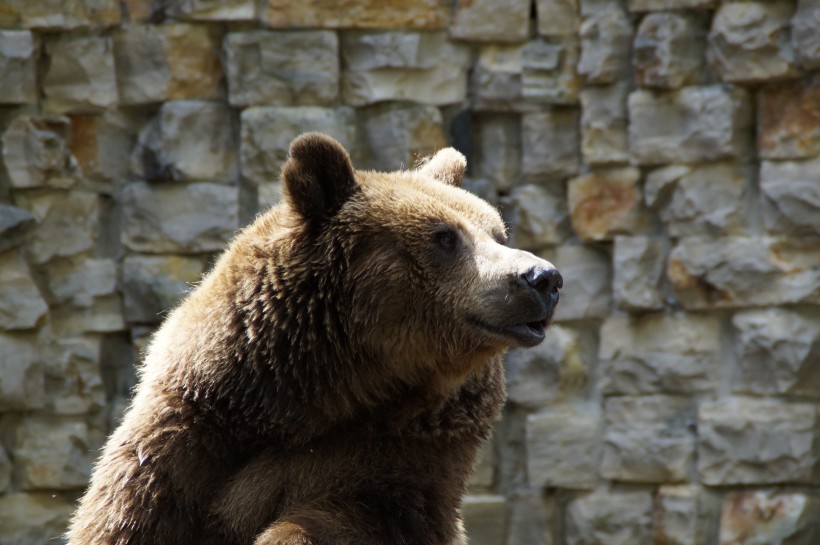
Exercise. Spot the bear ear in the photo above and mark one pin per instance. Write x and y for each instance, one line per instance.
(318, 176)
(447, 166)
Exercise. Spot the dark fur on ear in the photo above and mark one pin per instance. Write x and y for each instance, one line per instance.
(447, 166)
(318, 177)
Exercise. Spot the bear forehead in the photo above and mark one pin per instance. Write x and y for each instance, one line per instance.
(406, 196)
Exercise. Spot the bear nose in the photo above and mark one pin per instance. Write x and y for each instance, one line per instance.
(543, 280)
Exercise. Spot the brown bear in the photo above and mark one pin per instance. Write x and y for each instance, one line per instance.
(332, 379)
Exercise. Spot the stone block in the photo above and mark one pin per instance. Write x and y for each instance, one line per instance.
(103, 315)
(536, 217)
(483, 475)
(649, 439)
(485, 519)
(692, 125)
(604, 136)
(80, 281)
(491, 20)
(729, 272)
(551, 372)
(531, 518)
(606, 38)
(38, 518)
(549, 142)
(22, 376)
(496, 79)
(188, 140)
(677, 516)
(177, 218)
(424, 68)
(703, 200)
(153, 285)
(497, 149)
(282, 68)
(805, 39)
(65, 15)
(749, 42)
(669, 5)
(758, 441)
(791, 197)
(67, 223)
(587, 292)
(5, 471)
(213, 10)
(557, 17)
(605, 203)
(668, 50)
(659, 353)
(610, 518)
(266, 135)
(549, 74)
(757, 517)
(638, 266)
(14, 224)
(102, 144)
(21, 305)
(173, 61)
(74, 384)
(402, 14)
(562, 449)
(51, 453)
(81, 77)
(19, 50)
(36, 152)
(777, 352)
(789, 120)
(397, 135)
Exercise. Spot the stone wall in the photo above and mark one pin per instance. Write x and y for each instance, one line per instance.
(665, 154)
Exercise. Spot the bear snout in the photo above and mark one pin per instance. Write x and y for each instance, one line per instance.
(543, 280)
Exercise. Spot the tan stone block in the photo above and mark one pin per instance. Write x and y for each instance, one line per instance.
(21, 305)
(67, 14)
(398, 135)
(788, 118)
(33, 518)
(491, 20)
(36, 152)
(610, 518)
(755, 517)
(213, 10)
(606, 203)
(81, 77)
(22, 376)
(562, 449)
(19, 50)
(415, 14)
(67, 223)
(557, 17)
(102, 144)
(52, 453)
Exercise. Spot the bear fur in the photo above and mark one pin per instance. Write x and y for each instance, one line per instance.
(332, 379)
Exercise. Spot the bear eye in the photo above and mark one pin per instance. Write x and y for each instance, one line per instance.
(446, 239)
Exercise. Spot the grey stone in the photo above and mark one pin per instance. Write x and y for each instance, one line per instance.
(491, 21)
(758, 441)
(80, 281)
(5, 470)
(805, 39)
(36, 152)
(74, 384)
(703, 200)
(668, 50)
(549, 142)
(531, 518)
(552, 372)
(424, 68)
(610, 518)
(535, 216)
(649, 439)
(67, 223)
(749, 42)
(788, 120)
(213, 10)
(153, 285)
(791, 197)
(562, 449)
(638, 266)
(51, 453)
(396, 136)
(282, 68)
(66, 15)
(497, 149)
(692, 125)
(557, 17)
(665, 5)
(769, 517)
(28, 519)
(587, 292)
(81, 76)
(267, 132)
(549, 74)
(173, 61)
(677, 515)
(605, 203)
(604, 136)
(605, 42)
(496, 79)
(185, 219)
(729, 272)
(19, 50)
(188, 140)
(485, 519)
(21, 305)
(102, 144)
(22, 375)
(777, 352)
(659, 353)
(103, 315)
(14, 224)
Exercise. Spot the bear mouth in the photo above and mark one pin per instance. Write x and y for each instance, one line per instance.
(526, 334)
